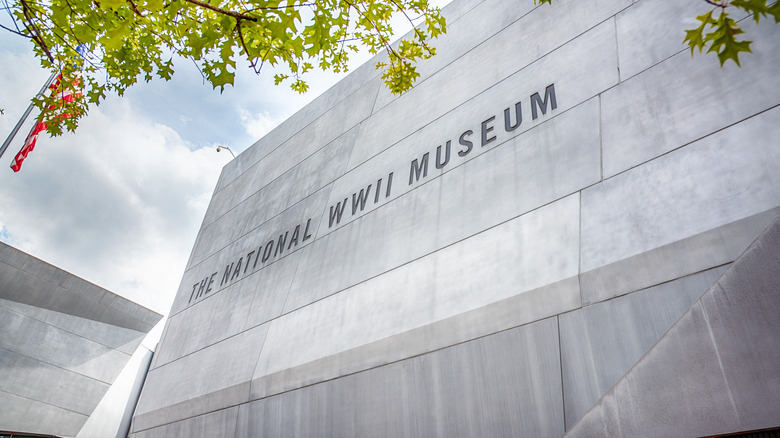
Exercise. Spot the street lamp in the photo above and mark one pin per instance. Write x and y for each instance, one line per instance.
(219, 148)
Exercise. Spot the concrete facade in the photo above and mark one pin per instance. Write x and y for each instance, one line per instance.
(486, 255)
(715, 371)
(64, 343)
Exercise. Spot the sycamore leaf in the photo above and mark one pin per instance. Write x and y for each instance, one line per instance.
(111, 4)
(279, 78)
(128, 40)
(759, 8)
(695, 37)
(299, 86)
(731, 51)
(723, 40)
(165, 70)
(115, 38)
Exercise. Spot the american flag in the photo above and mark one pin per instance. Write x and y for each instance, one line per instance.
(64, 93)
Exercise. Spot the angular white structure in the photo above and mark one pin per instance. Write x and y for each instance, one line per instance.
(70, 351)
(486, 255)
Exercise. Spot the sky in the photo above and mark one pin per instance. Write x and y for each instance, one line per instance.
(120, 201)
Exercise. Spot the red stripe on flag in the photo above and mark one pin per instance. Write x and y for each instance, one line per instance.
(29, 145)
(65, 96)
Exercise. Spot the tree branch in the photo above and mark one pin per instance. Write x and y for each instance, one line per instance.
(417, 32)
(723, 4)
(387, 45)
(236, 15)
(16, 32)
(37, 37)
(267, 8)
(243, 44)
(134, 8)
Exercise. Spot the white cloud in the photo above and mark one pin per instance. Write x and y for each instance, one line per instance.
(119, 203)
(259, 123)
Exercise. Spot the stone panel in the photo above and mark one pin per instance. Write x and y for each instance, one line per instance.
(216, 377)
(119, 338)
(36, 380)
(537, 249)
(63, 342)
(716, 371)
(342, 90)
(670, 105)
(466, 390)
(302, 180)
(456, 10)
(517, 310)
(676, 401)
(561, 157)
(741, 310)
(54, 346)
(710, 183)
(48, 419)
(484, 19)
(304, 215)
(506, 53)
(465, 124)
(12, 256)
(34, 282)
(221, 423)
(714, 247)
(600, 343)
(336, 121)
(22, 287)
(432, 310)
(651, 31)
(112, 416)
(75, 284)
(247, 303)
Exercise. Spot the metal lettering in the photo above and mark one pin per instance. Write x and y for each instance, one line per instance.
(486, 129)
(237, 272)
(508, 126)
(466, 143)
(294, 237)
(549, 97)
(280, 244)
(439, 164)
(335, 215)
(417, 168)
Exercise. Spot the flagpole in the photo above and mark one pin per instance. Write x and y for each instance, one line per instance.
(25, 115)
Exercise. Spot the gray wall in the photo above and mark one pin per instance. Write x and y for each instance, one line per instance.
(504, 293)
(716, 370)
(63, 343)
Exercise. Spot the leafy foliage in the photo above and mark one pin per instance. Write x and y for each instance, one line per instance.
(719, 31)
(124, 40)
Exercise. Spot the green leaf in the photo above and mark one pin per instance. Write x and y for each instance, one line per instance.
(111, 4)
(115, 38)
(165, 70)
(731, 51)
(132, 40)
(695, 37)
(723, 40)
(154, 5)
(758, 8)
(279, 78)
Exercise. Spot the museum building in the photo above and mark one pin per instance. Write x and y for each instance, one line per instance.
(71, 359)
(568, 227)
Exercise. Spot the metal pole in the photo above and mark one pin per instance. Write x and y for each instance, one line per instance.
(24, 116)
